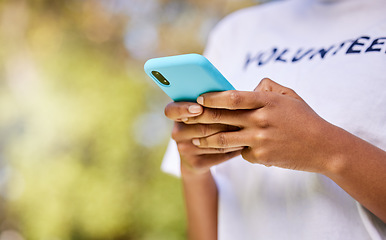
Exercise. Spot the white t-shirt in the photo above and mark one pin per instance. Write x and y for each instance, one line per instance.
(333, 54)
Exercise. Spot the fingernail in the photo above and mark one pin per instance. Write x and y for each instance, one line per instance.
(184, 119)
(196, 142)
(200, 100)
(194, 109)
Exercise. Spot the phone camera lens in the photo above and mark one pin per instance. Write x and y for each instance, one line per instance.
(160, 78)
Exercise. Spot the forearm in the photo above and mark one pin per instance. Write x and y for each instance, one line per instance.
(201, 200)
(360, 169)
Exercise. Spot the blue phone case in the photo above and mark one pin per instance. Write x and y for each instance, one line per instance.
(189, 75)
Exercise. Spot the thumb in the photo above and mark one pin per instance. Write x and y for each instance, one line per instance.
(267, 85)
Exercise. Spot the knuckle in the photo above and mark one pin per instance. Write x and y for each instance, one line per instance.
(183, 147)
(261, 157)
(203, 142)
(174, 111)
(261, 119)
(234, 98)
(176, 131)
(262, 141)
(221, 140)
(221, 150)
(259, 137)
(255, 156)
(265, 83)
(263, 122)
(286, 91)
(168, 111)
(203, 129)
(175, 134)
(215, 114)
(246, 154)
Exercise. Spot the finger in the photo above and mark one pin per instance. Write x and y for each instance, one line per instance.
(181, 110)
(214, 159)
(187, 148)
(206, 161)
(248, 154)
(234, 100)
(267, 85)
(254, 157)
(223, 140)
(219, 116)
(182, 131)
(219, 150)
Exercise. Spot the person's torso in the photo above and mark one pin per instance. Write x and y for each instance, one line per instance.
(334, 56)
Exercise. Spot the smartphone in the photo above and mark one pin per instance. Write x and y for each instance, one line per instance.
(185, 77)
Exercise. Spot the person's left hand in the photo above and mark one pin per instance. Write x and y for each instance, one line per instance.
(277, 127)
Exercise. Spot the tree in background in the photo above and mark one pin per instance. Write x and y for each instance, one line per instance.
(81, 129)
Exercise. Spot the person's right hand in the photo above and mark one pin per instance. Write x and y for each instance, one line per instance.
(195, 159)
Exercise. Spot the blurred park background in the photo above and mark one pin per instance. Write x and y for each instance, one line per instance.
(82, 131)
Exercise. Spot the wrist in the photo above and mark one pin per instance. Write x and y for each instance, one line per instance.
(336, 155)
(190, 172)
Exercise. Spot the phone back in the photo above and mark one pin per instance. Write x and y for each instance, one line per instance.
(187, 76)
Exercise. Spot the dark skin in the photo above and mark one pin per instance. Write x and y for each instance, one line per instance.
(272, 126)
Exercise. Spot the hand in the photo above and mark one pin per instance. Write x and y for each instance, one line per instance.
(197, 159)
(276, 127)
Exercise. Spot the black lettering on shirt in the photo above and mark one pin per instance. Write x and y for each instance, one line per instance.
(357, 43)
(271, 55)
(248, 61)
(341, 46)
(287, 55)
(280, 57)
(260, 58)
(322, 52)
(299, 55)
(375, 43)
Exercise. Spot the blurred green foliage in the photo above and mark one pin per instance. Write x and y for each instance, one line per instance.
(71, 97)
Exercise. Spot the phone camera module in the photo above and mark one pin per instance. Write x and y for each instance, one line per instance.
(160, 78)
